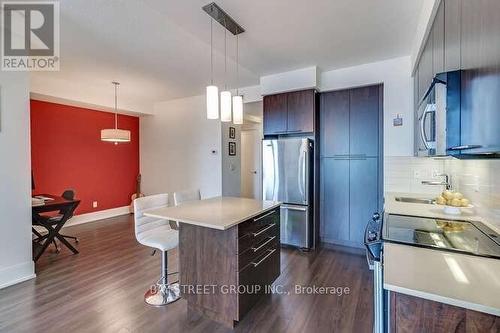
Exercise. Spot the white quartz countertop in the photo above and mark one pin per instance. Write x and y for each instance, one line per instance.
(462, 280)
(217, 213)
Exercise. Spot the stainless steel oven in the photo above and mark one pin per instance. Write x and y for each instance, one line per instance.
(374, 257)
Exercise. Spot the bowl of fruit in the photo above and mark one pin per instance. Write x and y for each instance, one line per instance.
(453, 202)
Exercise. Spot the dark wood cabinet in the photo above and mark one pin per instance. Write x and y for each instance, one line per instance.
(452, 21)
(413, 314)
(350, 171)
(480, 91)
(363, 195)
(245, 256)
(425, 69)
(335, 199)
(290, 113)
(301, 111)
(275, 114)
(438, 41)
(364, 121)
(334, 120)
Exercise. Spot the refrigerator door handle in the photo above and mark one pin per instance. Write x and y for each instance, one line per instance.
(300, 209)
(301, 175)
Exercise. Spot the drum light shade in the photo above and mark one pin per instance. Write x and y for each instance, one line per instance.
(225, 106)
(237, 110)
(212, 102)
(115, 135)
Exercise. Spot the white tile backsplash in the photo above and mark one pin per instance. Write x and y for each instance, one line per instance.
(477, 180)
(405, 174)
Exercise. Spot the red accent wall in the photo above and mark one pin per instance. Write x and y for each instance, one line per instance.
(66, 152)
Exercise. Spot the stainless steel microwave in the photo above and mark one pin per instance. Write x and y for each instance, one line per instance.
(430, 121)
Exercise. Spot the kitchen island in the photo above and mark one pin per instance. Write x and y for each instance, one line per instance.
(229, 251)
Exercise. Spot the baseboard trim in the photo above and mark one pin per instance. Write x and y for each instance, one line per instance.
(17, 274)
(96, 216)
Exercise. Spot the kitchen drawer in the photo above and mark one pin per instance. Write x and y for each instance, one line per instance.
(259, 223)
(255, 253)
(260, 275)
(249, 240)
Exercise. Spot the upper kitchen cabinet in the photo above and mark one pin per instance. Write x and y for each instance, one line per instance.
(290, 113)
(425, 68)
(275, 114)
(452, 21)
(480, 86)
(365, 104)
(480, 47)
(438, 33)
(334, 120)
(301, 111)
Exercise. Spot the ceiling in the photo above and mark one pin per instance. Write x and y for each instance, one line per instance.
(159, 49)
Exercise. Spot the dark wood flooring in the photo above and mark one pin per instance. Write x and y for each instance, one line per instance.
(101, 290)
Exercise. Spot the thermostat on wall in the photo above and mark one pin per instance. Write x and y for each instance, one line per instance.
(398, 121)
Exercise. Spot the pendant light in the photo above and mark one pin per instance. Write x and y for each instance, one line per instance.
(212, 90)
(238, 99)
(114, 134)
(225, 96)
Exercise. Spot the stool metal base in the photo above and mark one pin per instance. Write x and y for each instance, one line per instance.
(162, 294)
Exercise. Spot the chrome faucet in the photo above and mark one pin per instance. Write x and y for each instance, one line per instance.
(445, 183)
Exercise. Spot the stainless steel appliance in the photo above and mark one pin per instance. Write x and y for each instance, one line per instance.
(288, 177)
(430, 125)
(374, 257)
(458, 236)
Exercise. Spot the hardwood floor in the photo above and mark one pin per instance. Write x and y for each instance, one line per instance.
(102, 288)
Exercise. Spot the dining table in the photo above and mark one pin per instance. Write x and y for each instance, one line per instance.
(41, 210)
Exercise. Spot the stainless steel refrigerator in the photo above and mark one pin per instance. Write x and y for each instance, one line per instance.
(287, 174)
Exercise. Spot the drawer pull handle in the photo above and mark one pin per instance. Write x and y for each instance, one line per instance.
(270, 239)
(255, 264)
(263, 216)
(255, 234)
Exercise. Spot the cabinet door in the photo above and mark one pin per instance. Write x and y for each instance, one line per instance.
(301, 111)
(480, 98)
(425, 69)
(364, 121)
(363, 196)
(438, 41)
(334, 201)
(334, 123)
(275, 114)
(480, 26)
(452, 19)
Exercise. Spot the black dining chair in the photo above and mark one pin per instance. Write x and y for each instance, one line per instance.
(68, 195)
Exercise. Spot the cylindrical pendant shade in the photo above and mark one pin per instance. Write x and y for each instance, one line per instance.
(212, 102)
(237, 110)
(225, 106)
(115, 135)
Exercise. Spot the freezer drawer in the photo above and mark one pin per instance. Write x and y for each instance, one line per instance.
(295, 225)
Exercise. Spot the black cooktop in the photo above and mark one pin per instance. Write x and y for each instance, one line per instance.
(457, 236)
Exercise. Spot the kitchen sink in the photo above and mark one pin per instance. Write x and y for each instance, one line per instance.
(415, 200)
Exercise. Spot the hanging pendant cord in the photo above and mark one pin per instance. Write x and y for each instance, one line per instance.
(211, 54)
(237, 66)
(116, 108)
(225, 55)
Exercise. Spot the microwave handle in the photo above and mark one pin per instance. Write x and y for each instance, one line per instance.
(423, 135)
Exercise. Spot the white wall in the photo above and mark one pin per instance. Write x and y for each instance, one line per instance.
(395, 74)
(15, 179)
(231, 165)
(176, 147)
